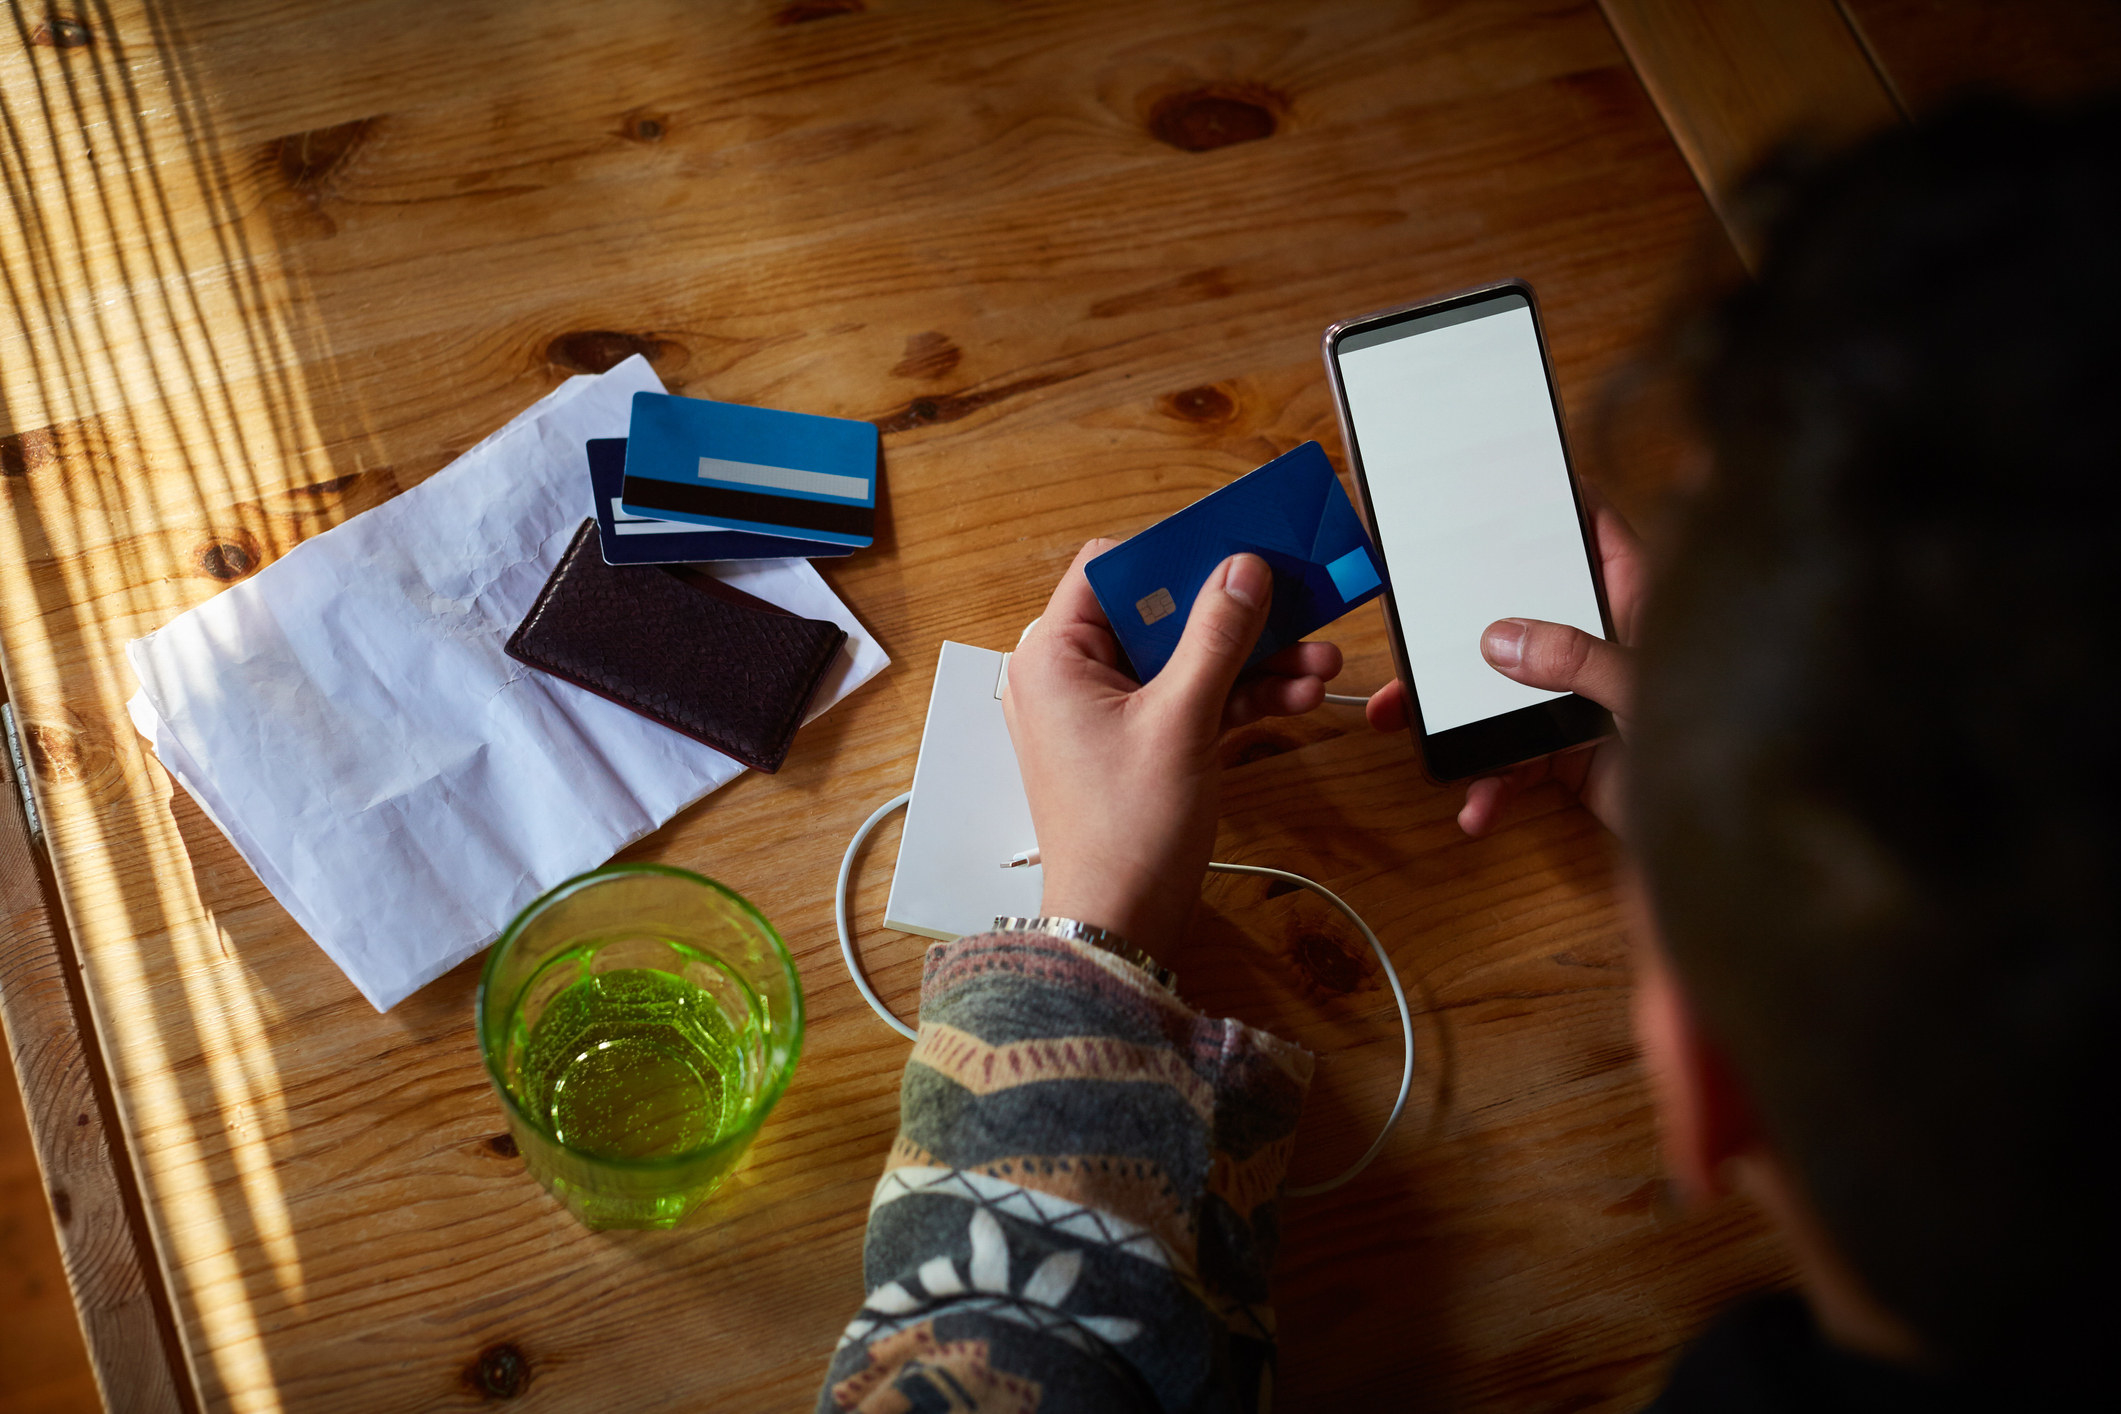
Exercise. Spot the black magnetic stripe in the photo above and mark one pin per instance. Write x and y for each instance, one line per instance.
(720, 501)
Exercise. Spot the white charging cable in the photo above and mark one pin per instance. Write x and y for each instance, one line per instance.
(839, 916)
(1399, 995)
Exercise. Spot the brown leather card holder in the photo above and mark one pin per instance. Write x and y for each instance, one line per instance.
(689, 652)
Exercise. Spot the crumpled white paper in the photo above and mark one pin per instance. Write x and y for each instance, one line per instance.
(348, 718)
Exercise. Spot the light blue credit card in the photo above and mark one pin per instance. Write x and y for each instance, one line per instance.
(733, 467)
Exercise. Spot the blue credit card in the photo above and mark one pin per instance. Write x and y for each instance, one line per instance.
(1292, 513)
(640, 540)
(757, 469)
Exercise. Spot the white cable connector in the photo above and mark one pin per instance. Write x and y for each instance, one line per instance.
(1030, 856)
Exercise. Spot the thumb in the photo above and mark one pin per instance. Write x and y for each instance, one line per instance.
(1561, 659)
(1227, 617)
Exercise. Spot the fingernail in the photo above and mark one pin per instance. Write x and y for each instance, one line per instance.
(1248, 580)
(1503, 643)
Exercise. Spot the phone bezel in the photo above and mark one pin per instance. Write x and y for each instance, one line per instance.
(1492, 743)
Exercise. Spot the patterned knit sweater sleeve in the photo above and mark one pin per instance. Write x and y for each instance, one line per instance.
(1080, 1208)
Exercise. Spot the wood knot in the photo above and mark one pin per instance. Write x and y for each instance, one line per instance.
(308, 160)
(63, 32)
(76, 754)
(928, 355)
(62, 1206)
(1328, 966)
(804, 11)
(502, 1146)
(25, 452)
(229, 558)
(1207, 404)
(643, 126)
(55, 753)
(601, 350)
(949, 407)
(499, 1372)
(331, 486)
(1203, 119)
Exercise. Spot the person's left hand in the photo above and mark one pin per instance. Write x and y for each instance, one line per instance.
(1123, 779)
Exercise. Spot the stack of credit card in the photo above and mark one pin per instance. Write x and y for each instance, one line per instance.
(694, 481)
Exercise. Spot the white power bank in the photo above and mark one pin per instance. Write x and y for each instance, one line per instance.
(968, 814)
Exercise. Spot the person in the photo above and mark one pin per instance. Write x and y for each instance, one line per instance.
(1869, 794)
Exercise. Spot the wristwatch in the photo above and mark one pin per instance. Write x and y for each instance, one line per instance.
(1102, 939)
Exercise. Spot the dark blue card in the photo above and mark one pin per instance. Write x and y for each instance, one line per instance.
(1291, 513)
(638, 540)
(758, 469)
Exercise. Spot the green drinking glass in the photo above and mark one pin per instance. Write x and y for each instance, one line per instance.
(639, 1023)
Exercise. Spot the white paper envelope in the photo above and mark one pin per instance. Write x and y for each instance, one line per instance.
(348, 718)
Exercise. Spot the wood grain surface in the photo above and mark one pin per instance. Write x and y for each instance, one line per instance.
(1932, 51)
(272, 263)
(1734, 78)
(90, 1316)
(44, 1367)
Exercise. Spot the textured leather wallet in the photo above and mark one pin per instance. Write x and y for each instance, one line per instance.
(690, 652)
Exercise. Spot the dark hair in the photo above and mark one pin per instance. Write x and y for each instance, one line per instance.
(1877, 769)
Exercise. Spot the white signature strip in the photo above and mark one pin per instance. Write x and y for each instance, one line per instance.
(784, 478)
(625, 524)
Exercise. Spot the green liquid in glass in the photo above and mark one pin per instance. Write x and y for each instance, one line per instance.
(633, 1064)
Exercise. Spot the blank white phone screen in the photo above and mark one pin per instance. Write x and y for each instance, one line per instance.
(1470, 493)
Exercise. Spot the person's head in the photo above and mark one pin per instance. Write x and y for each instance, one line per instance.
(1876, 775)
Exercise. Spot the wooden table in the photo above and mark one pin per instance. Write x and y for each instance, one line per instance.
(272, 264)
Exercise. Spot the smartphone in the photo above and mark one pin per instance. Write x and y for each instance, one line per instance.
(1454, 433)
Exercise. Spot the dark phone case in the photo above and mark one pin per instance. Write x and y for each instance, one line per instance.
(681, 649)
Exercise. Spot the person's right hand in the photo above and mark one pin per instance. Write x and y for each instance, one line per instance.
(1124, 778)
(1559, 659)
